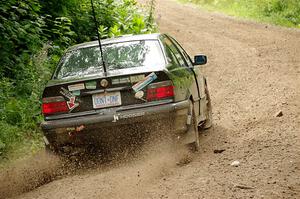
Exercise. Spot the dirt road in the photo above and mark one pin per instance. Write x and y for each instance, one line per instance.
(253, 73)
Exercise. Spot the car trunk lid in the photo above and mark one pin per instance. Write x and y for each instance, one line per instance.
(87, 96)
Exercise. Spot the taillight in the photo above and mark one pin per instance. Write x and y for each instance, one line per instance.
(53, 105)
(161, 90)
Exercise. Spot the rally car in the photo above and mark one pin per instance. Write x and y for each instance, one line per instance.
(147, 78)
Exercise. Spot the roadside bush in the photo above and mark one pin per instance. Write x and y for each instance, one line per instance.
(9, 134)
(283, 12)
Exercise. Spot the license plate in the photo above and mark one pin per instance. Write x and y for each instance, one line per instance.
(104, 100)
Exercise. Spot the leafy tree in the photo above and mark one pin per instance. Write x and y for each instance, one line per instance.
(33, 36)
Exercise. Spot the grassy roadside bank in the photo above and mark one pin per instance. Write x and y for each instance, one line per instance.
(279, 12)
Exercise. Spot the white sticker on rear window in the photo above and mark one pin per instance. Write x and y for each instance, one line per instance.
(76, 87)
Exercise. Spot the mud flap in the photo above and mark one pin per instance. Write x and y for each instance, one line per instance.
(203, 102)
(189, 136)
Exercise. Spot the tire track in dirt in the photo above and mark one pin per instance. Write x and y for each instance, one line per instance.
(253, 72)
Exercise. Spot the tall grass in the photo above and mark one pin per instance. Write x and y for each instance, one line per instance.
(279, 12)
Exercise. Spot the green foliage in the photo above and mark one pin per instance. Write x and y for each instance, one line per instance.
(9, 134)
(20, 27)
(280, 12)
(33, 36)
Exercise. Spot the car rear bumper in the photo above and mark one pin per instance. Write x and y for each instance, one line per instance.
(176, 110)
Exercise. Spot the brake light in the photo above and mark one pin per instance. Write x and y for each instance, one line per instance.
(53, 105)
(161, 90)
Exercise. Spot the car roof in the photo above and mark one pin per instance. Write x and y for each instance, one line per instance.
(123, 38)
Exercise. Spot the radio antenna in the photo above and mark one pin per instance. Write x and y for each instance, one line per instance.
(98, 35)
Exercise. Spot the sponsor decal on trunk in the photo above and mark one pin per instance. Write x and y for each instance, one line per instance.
(90, 85)
(76, 87)
(72, 99)
(76, 93)
(122, 80)
(136, 78)
(145, 82)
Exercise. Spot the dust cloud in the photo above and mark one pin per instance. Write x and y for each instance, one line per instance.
(25, 175)
(136, 162)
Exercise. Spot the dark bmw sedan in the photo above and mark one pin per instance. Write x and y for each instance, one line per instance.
(147, 78)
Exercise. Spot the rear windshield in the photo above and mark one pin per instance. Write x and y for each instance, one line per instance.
(85, 62)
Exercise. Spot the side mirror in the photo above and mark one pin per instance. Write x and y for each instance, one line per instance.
(200, 60)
